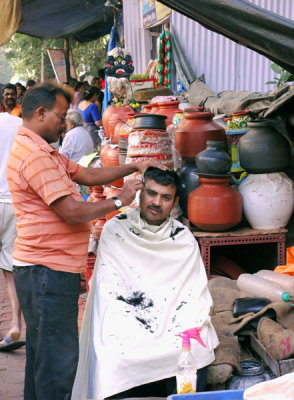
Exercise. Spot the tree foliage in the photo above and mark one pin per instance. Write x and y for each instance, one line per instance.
(24, 55)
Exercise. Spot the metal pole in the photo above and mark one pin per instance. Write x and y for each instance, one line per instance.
(66, 56)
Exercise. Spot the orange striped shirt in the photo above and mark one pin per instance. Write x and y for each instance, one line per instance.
(38, 175)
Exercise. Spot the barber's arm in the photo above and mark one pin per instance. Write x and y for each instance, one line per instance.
(102, 176)
(73, 211)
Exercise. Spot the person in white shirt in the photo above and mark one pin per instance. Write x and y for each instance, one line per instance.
(77, 142)
(8, 129)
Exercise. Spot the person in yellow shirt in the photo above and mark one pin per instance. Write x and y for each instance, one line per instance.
(9, 103)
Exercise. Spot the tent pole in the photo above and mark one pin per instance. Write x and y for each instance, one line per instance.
(66, 56)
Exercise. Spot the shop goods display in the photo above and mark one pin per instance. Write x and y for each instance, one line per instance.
(194, 131)
(163, 73)
(252, 372)
(214, 159)
(268, 200)
(214, 206)
(169, 109)
(189, 180)
(109, 157)
(263, 149)
(119, 115)
(123, 148)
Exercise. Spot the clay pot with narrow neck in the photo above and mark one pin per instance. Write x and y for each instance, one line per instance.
(109, 157)
(214, 206)
(263, 149)
(168, 108)
(214, 159)
(114, 116)
(193, 132)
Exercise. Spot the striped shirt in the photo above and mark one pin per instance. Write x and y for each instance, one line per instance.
(38, 175)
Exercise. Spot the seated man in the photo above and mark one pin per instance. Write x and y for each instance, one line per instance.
(149, 284)
(77, 141)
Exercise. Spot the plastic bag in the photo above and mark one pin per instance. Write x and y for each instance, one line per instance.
(281, 388)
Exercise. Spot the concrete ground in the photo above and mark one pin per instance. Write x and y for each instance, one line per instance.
(12, 363)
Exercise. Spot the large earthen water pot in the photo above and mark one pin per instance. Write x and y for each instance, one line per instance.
(109, 157)
(214, 206)
(214, 159)
(193, 132)
(263, 149)
(115, 116)
(154, 108)
(105, 117)
(168, 108)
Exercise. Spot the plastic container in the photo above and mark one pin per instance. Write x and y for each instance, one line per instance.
(285, 281)
(257, 286)
(217, 395)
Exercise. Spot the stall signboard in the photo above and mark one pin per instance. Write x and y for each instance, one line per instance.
(154, 13)
(58, 64)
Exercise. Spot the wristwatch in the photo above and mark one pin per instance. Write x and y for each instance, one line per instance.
(117, 202)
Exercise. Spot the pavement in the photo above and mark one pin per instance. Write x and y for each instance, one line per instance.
(12, 363)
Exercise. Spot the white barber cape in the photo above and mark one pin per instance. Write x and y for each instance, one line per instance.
(149, 284)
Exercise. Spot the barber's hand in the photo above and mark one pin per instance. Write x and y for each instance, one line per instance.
(143, 165)
(129, 191)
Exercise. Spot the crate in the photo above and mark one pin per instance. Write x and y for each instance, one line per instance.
(217, 395)
(89, 270)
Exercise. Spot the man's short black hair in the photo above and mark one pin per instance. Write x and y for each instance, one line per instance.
(9, 86)
(43, 95)
(30, 83)
(164, 177)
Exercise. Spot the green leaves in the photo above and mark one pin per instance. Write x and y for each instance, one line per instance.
(284, 77)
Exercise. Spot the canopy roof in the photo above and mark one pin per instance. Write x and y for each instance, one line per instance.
(265, 32)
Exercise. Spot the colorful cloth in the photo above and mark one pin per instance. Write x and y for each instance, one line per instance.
(149, 284)
(91, 114)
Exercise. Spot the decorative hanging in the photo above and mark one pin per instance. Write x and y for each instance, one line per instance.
(163, 75)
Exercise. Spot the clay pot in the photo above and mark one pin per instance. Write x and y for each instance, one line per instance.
(114, 116)
(263, 149)
(154, 108)
(109, 157)
(193, 132)
(214, 159)
(190, 182)
(150, 121)
(215, 206)
(146, 108)
(115, 137)
(97, 228)
(168, 108)
(268, 200)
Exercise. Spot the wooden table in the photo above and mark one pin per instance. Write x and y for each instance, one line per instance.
(240, 236)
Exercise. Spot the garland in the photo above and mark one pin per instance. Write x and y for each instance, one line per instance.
(163, 76)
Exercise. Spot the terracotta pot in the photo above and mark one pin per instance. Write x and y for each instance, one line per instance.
(154, 108)
(214, 159)
(146, 108)
(193, 132)
(97, 228)
(215, 206)
(109, 157)
(116, 115)
(168, 108)
(105, 117)
(268, 200)
(189, 180)
(111, 192)
(115, 137)
(263, 149)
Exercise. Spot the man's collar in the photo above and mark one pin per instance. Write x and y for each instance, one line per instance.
(23, 131)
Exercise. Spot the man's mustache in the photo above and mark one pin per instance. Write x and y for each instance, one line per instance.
(156, 208)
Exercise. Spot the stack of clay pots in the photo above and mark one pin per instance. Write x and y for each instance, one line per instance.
(215, 205)
(113, 116)
(96, 194)
(149, 140)
(267, 191)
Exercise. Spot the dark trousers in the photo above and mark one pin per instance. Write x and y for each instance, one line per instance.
(49, 302)
(162, 388)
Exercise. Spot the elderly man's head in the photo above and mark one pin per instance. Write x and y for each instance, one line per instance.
(73, 119)
(160, 195)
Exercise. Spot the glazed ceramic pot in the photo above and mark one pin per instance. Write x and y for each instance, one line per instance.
(109, 157)
(214, 159)
(149, 121)
(168, 108)
(268, 200)
(263, 149)
(214, 206)
(193, 132)
(190, 182)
